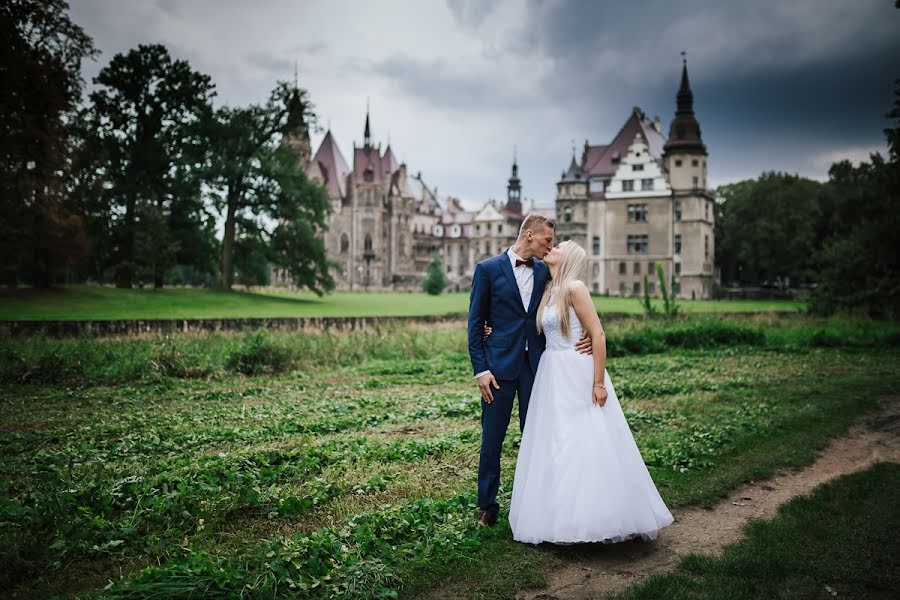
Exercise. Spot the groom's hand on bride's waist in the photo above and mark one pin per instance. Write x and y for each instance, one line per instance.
(585, 344)
(484, 384)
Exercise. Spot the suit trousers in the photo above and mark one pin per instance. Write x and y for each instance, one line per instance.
(494, 423)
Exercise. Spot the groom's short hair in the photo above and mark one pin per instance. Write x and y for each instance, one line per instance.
(532, 221)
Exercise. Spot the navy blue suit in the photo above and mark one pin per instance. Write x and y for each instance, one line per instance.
(496, 300)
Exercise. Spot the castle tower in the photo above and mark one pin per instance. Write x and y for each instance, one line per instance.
(295, 134)
(685, 152)
(692, 221)
(514, 191)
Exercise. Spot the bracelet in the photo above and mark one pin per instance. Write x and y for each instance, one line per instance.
(600, 385)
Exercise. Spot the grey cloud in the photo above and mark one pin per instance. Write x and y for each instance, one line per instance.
(470, 13)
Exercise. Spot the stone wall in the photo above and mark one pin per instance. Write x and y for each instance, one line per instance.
(139, 327)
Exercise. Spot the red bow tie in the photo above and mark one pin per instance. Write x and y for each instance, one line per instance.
(528, 263)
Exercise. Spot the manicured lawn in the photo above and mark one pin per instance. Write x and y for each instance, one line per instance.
(101, 302)
(841, 541)
(345, 465)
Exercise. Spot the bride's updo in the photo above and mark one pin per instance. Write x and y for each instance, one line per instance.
(572, 266)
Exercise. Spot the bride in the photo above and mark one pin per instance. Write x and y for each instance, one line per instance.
(579, 475)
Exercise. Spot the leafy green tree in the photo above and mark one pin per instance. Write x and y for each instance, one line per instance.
(860, 264)
(40, 88)
(146, 134)
(435, 281)
(256, 179)
(768, 227)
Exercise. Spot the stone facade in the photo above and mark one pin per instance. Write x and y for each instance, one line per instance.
(386, 225)
(640, 200)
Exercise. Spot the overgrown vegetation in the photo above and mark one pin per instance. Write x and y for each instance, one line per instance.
(316, 466)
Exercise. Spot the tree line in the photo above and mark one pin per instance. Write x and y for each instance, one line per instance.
(839, 237)
(128, 184)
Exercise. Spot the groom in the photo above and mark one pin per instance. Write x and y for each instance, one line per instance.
(506, 292)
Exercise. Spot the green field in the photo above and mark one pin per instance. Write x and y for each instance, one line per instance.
(100, 302)
(268, 465)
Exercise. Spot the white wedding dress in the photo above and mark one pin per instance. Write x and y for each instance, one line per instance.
(579, 475)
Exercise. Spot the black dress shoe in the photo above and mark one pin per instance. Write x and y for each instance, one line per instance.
(486, 518)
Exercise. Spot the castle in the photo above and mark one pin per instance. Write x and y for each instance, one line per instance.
(642, 199)
(639, 200)
(386, 224)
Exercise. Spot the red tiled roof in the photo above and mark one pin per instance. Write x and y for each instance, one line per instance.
(365, 158)
(389, 161)
(332, 167)
(599, 160)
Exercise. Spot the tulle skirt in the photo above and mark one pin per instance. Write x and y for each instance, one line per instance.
(579, 474)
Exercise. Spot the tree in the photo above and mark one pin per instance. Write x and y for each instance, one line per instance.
(434, 282)
(768, 227)
(146, 134)
(860, 264)
(256, 180)
(40, 87)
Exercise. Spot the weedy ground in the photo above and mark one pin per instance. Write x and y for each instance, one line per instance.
(266, 464)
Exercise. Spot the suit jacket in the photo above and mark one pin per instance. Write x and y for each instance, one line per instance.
(495, 300)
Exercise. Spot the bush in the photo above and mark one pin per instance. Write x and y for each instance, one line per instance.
(260, 354)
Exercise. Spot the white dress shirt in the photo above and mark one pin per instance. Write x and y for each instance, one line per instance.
(525, 281)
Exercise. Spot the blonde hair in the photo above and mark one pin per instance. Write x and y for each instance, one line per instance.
(571, 268)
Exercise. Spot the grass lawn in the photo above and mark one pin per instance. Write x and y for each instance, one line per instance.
(841, 541)
(273, 464)
(101, 302)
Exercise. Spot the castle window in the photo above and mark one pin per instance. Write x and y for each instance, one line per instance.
(677, 162)
(695, 163)
(651, 287)
(368, 242)
(636, 288)
(678, 210)
(637, 167)
(621, 288)
(696, 181)
(706, 246)
(646, 184)
(596, 245)
(478, 229)
(369, 174)
(706, 210)
(628, 185)
(637, 213)
(622, 268)
(678, 268)
(637, 244)
(677, 243)
(596, 271)
(637, 268)
(345, 243)
(676, 287)
(567, 214)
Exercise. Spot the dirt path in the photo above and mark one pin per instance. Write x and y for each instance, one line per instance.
(603, 569)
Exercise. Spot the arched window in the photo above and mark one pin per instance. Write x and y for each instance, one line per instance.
(345, 243)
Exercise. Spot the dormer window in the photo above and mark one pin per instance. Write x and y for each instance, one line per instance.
(637, 167)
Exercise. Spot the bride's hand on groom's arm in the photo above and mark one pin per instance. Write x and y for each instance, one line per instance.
(585, 345)
(484, 384)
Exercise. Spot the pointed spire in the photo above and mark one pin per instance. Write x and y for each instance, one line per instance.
(684, 132)
(367, 136)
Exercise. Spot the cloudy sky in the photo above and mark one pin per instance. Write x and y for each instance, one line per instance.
(456, 85)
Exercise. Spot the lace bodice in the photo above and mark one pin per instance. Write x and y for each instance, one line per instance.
(552, 328)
